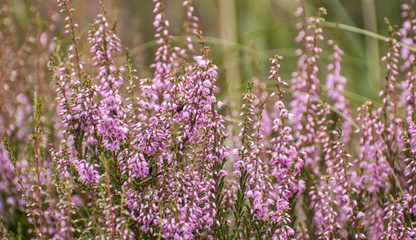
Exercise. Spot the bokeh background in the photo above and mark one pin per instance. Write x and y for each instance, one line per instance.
(242, 34)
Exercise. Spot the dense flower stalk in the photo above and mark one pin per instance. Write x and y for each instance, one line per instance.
(191, 28)
(163, 56)
(335, 84)
(345, 189)
(285, 162)
(326, 215)
(110, 117)
(408, 34)
(184, 117)
(254, 185)
(306, 89)
(394, 215)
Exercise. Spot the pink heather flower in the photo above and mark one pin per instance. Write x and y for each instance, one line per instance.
(305, 85)
(138, 167)
(9, 196)
(190, 209)
(394, 215)
(150, 138)
(60, 158)
(325, 214)
(391, 59)
(284, 163)
(191, 27)
(410, 170)
(110, 126)
(201, 62)
(335, 84)
(82, 111)
(407, 34)
(87, 172)
(249, 167)
(372, 160)
(110, 116)
(408, 99)
(261, 105)
(164, 60)
(344, 188)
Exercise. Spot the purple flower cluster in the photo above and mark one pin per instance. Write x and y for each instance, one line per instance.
(335, 84)
(156, 164)
(110, 115)
(305, 86)
(285, 162)
(249, 168)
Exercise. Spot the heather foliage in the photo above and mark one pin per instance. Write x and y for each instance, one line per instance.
(118, 156)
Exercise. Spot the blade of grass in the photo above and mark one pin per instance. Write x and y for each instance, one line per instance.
(363, 32)
(371, 45)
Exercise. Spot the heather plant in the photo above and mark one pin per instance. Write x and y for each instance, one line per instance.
(23, 69)
(122, 156)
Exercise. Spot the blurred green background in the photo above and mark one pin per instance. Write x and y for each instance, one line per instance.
(242, 34)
